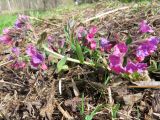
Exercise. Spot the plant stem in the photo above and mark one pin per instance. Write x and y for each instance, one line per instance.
(59, 56)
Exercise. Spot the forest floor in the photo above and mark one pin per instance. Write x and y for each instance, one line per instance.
(84, 92)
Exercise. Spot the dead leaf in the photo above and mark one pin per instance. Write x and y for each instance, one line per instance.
(131, 99)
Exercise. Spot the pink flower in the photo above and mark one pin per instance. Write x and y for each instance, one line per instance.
(120, 49)
(117, 69)
(6, 39)
(18, 64)
(115, 64)
(31, 50)
(6, 31)
(50, 39)
(81, 32)
(61, 43)
(144, 27)
(44, 66)
(93, 30)
(16, 51)
(93, 45)
(115, 60)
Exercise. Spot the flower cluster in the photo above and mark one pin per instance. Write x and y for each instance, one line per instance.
(87, 37)
(22, 21)
(118, 54)
(117, 58)
(143, 50)
(36, 58)
(105, 45)
(146, 48)
(55, 44)
(12, 35)
(145, 28)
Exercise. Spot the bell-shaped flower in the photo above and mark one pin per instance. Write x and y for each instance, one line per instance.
(22, 21)
(36, 58)
(120, 49)
(135, 67)
(115, 64)
(16, 51)
(147, 48)
(93, 45)
(6, 39)
(18, 64)
(31, 50)
(144, 27)
(105, 45)
(81, 32)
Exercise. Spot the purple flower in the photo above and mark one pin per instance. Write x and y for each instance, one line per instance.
(154, 40)
(20, 22)
(131, 67)
(61, 43)
(36, 57)
(146, 48)
(36, 60)
(6, 39)
(16, 51)
(120, 49)
(144, 27)
(81, 32)
(114, 60)
(104, 42)
(135, 67)
(141, 67)
(50, 39)
(31, 50)
(105, 45)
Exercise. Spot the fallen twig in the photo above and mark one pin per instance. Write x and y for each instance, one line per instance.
(42, 20)
(65, 113)
(6, 62)
(2, 81)
(104, 14)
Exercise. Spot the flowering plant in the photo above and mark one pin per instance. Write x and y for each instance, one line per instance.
(90, 49)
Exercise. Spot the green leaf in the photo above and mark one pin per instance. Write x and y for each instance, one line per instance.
(65, 67)
(93, 113)
(125, 61)
(82, 105)
(129, 40)
(115, 109)
(61, 64)
(153, 65)
(42, 38)
(79, 52)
